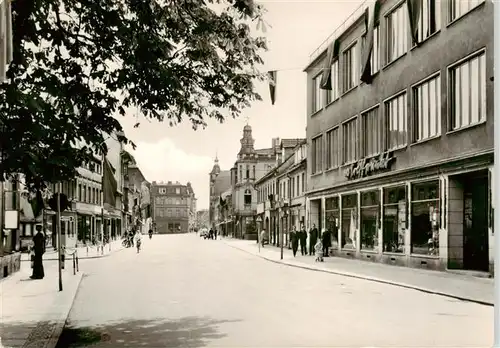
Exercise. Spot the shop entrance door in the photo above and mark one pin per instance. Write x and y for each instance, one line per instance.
(476, 223)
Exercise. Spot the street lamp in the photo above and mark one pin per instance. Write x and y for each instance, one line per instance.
(259, 221)
(284, 209)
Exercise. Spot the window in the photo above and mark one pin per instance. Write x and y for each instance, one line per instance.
(316, 95)
(349, 221)
(350, 71)
(427, 109)
(332, 148)
(80, 195)
(370, 209)
(396, 123)
(430, 18)
(397, 33)
(247, 172)
(241, 172)
(178, 190)
(371, 132)
(177, 201)
(248, 197)
(292, 187)
(375, 55)
(162, 191)
(84, 194)
(425, 218)
(458, 8)
(317, 154)
(350, 141)
(253, 169)
(332, 216)
(468, 92)
(303, 182)
(394, 219)
(298, 185)
(334, 93)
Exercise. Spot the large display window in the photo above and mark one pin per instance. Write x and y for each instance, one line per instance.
(370, 213)
(425, 218)
(332, 217)
(349, 221)
(394, 219)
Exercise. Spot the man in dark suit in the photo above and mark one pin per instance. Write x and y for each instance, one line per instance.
(313, 238)
(303, 240)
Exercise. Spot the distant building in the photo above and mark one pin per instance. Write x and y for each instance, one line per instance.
(172, 206)
(220, 181)
(202, 219)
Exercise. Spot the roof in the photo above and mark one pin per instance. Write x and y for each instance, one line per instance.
(283, 165)
(265, 152)
(287, 143)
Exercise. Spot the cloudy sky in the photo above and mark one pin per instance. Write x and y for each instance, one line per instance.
(180, 154)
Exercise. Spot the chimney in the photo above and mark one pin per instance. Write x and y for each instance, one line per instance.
(170, 182)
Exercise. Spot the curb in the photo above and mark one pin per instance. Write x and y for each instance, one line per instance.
(373, 279)
(61, 322)
(83, 257)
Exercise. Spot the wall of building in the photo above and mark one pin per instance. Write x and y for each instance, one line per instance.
(447, 47)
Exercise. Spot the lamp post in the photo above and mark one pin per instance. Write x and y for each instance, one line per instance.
(283, 208)
(259, 221)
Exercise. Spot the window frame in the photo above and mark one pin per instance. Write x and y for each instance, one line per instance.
(328, 153)
(386, 146)
(414, 108)
(335, 86)
(449, 10)
(362, 114)
(438, 21)
(344, 162)
(317, 93)
(354, 50)
(450, 91)
(401, 4)
(376, 34)
(314, 163)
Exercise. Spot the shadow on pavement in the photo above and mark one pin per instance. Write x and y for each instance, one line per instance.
(184, 332)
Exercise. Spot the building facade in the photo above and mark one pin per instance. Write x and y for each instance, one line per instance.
(400, 164)
(171, 205)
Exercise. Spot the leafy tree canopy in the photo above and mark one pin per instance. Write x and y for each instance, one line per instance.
(79, 63)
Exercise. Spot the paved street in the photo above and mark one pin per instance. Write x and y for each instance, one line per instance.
(183, 291)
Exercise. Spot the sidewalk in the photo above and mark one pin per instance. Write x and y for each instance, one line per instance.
(463, 287)
(33, 312)
(84, 252)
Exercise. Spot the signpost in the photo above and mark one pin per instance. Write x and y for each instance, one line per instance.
(259, 227)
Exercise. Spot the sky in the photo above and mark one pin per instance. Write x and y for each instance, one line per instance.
(181, 154)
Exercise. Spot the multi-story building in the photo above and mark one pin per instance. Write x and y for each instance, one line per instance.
(400, 164)
(172, 203)
(281, 192)
(220, 181)
(202, 219)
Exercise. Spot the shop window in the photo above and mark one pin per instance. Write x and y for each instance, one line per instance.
(370, 212)
(394, 219)
(468, 92)
(425, 218)
(349, 221)
(332, 216)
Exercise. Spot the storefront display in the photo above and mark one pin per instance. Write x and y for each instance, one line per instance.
(332, 218)
(349, 221)
(394, 219)
(425, 218)
(370, 211)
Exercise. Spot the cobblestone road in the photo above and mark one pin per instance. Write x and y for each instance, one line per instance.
(182, 291)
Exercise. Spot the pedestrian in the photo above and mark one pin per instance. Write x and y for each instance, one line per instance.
(215, 234)
(211, 233)
(326, 239)
(295, 240)
(263, 237)
(303, 240)
(313, 237)
(138, 240)
(131, 236)
(39, 249)
(318, 250)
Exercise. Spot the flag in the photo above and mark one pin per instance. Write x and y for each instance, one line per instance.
(109, 185)
(37, 204)
(5, 37)
(326, 77)
(272, 84)
(371, 17)
(413, 7)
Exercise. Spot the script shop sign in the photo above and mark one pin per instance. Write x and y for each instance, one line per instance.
(366, 167)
